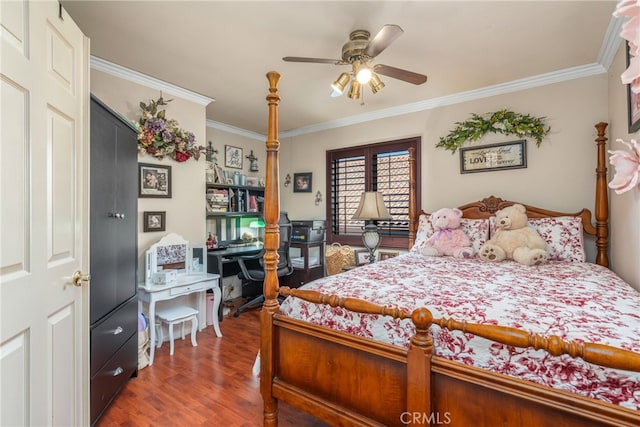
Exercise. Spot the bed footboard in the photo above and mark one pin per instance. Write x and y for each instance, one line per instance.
(348, 380)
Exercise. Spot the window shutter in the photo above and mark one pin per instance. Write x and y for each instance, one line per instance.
(382, 167)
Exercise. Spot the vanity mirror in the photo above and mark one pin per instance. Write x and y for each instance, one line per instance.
(174, 256)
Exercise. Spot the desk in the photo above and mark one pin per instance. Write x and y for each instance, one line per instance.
(185, 285)
(217, 258)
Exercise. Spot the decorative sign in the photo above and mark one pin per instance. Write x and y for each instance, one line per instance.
(509, 155)
(233, 157)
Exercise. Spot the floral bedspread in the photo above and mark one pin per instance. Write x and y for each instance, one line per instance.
(576, 301)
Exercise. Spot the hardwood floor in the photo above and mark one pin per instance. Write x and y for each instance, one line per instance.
(211, 384)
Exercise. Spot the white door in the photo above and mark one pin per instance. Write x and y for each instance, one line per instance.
(44, 81)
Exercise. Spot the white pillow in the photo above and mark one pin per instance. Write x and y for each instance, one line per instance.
(563, 234)
(476, 229)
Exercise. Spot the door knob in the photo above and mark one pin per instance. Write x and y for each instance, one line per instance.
(79, 277)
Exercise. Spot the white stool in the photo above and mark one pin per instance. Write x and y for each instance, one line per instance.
(174, 315)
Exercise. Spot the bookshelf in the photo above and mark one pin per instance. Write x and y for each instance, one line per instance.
(230, 207)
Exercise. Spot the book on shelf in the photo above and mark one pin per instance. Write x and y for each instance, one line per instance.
(217, 200)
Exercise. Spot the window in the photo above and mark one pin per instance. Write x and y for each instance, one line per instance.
(382, 167)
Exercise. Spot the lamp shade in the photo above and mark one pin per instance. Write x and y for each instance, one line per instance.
(371, 207)
(341, 83)
(354, 90)
(375, 83)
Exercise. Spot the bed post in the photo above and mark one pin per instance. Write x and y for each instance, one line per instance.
(271, 243)
(419, 370)
(413, 213)
(602, 200)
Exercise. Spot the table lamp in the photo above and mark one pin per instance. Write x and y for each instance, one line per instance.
(371, 209)
(257, 225)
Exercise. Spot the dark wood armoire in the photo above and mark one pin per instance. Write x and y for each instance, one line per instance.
(113, 255)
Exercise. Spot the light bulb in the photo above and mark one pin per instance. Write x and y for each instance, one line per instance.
(364, 75)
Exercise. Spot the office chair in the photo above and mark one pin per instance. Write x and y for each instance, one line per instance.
(252, 270)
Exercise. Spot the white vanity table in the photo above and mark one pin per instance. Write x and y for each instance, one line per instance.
(173, 253)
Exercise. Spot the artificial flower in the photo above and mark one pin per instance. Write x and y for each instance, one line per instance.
(631, 33)
(161, 137)
(627, 167)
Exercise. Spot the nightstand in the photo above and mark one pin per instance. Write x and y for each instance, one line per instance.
(308, 262)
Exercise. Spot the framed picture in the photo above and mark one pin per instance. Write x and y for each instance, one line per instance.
(382, 255)
(153, 221)
(154, 180)
(302, 182)
(233, 157)
(508, 155)
(633, 103)
(361, 256)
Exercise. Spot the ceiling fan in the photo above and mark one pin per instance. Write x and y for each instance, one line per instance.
(358, 52)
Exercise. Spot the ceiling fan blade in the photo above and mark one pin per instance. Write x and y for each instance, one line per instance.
(383, 39)
(400, 74)
(313, 60)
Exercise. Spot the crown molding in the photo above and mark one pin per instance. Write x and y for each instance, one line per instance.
(611, 42)
(235, 130)
(124, 73)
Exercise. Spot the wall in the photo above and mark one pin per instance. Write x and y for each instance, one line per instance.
(185, 210)
(625, 208)
(559, 174)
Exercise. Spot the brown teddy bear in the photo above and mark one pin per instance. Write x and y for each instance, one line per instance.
(514, 239)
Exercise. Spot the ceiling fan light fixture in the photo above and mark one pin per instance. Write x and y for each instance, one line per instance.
(341, 83)
(375, 83)
(354, 90)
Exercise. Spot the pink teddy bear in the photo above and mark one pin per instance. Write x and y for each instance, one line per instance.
(448, 239)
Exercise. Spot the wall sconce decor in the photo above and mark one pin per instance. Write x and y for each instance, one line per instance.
(318, 197)
(210, 153)
(287, 180)
(253, 162)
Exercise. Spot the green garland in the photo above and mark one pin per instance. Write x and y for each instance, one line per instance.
(504, 121)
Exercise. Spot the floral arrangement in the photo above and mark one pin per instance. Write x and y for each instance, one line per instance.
(627, 167)
(504, 122)
(160, 137)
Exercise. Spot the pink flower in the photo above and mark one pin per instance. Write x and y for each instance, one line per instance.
(631, 32)
(627, 167)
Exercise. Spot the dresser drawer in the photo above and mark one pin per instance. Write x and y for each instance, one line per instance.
(114, 374)
(187, 289)
(111, 333)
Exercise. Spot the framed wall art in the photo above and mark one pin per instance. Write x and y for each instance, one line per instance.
(382, 255)
(508, 155)
(233, 157)
(362, 256)
(302, 182)
(633, 103)
(154, 180)
(153, 221)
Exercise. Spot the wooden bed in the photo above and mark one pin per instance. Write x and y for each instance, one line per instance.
(344, 379)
